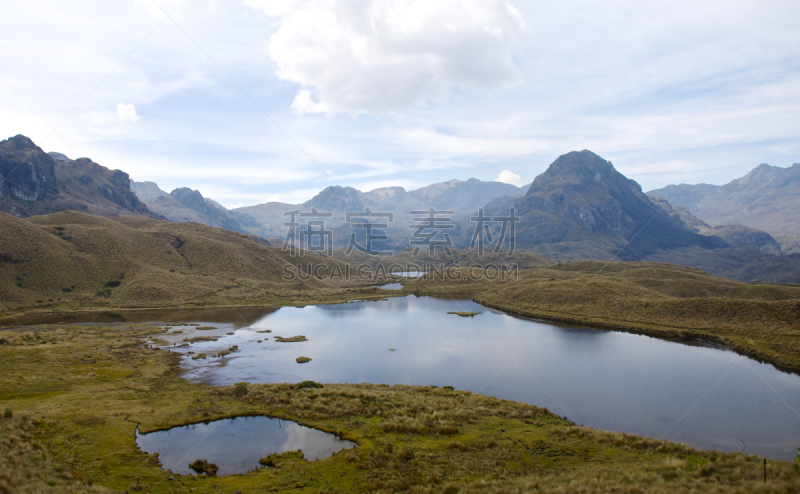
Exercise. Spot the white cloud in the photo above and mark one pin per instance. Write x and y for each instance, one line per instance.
(127, 113)
(508, 177)
(375, 56)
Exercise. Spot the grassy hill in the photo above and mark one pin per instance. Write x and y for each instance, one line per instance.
(71, 259)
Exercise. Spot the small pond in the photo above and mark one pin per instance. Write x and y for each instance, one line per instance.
(392, 286)
(235, 445)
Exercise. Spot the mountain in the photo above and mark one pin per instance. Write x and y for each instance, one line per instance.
(184, 204)
(464, 197)
(733, 235)
(468, 196)
(585, 204)
(33, 182)
(767, 198)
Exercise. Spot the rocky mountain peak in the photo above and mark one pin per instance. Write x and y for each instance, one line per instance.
(337, 198)
(580, 170)
(190, 198)
(583, 197)
(20, 142)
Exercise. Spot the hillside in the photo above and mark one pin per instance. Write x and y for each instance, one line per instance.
(72, 259)
(32, 182)
(767, 198)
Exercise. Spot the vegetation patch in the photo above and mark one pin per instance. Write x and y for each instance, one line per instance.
(203, 466)
(302, 360)
(205, 328)
(277, 460)
(292, 339)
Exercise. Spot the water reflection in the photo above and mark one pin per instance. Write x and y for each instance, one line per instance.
(704, 396)
(235, 445)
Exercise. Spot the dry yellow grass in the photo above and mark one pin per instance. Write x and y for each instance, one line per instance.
(69, 260)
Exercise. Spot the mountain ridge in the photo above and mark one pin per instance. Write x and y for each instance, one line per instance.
(33, 182)
(767, 198)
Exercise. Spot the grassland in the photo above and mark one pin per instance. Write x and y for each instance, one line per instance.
(664, 300)
(73, 260)
(77, 394)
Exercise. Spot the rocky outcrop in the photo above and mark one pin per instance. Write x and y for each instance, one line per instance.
(33, 182)
(27, 173)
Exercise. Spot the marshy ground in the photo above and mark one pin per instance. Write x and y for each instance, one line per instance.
(76, 394)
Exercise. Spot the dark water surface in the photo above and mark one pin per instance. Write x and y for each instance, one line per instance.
(235, 445)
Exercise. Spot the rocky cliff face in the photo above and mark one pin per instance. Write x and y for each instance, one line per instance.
(26, 172)
(33, 182)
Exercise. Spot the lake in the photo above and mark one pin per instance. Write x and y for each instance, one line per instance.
(692, 392)
(699, 394)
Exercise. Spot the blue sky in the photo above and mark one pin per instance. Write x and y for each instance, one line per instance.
(252, 101)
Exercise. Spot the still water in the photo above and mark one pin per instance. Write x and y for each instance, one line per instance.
(235, 445)
(699, 394)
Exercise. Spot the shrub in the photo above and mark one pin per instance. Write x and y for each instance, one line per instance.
(240, 390)
(8, 414)
(113, 283)
(4, 341)
(203, 466)
(309, 384)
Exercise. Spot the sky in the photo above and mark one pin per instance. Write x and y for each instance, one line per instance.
(251, 101)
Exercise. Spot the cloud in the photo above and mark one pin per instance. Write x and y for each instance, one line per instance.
(127, 113)
(378, 56)
(508, 177)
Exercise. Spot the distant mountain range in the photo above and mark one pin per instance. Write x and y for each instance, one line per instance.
(767, 198)
(581, 207)
(267, 220)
